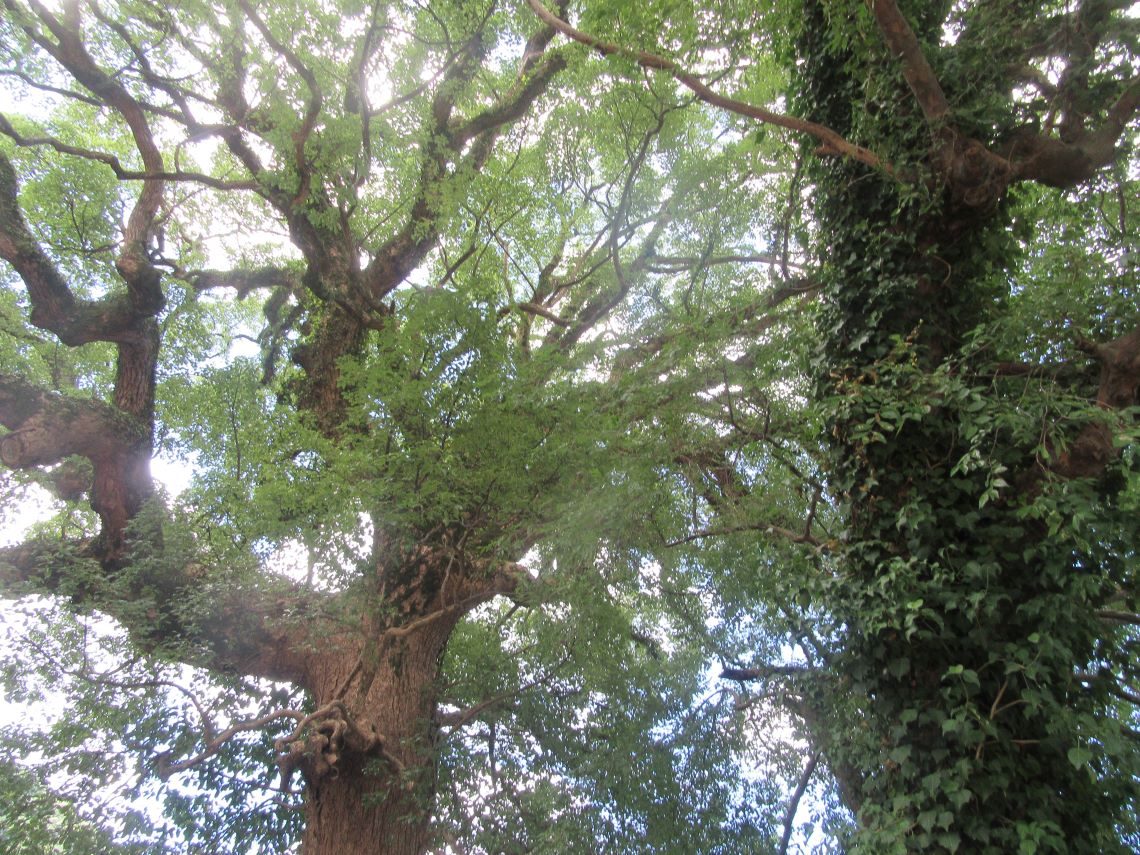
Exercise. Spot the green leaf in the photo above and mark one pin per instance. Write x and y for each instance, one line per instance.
(1079, 756)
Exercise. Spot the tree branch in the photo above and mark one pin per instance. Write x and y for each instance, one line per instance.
(794, 803)
(763, 672)
(723, 531)
(1095, 447)
(832, 143)
(1117, 616)
(456, 720)
(70, 51)
(167, 767)
(312, 105)
(244, 281)
(1061, 163)
(244, 630)
(676, 263)
(54, 308)
(120, 171)
(917, 71)
(47, 427)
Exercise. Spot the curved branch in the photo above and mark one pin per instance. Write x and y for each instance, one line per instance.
(47, 427)
(1095, 447)
(54, 90)
(1062, 163)
(122, 173)
(70, 52)
(166, 767)
(832, 143)
(400, 255)
(517, 102)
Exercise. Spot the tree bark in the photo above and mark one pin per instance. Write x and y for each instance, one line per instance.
(368, 753)
(371, 786)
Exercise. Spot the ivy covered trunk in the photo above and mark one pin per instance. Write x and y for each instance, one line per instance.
(967, 618)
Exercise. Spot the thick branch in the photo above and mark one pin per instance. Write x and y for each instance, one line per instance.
(244, 630)
(1095, 448)
(1073, 158)
(763, 672)
(396, 259)
(54, 307)
(47, 427)
(244, 281)
(917, 71)
(1117, 616)
(517, 102)
(70, 51)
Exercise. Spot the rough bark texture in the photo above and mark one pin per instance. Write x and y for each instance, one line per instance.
(376, 791)
(369, 765)
(369, 657)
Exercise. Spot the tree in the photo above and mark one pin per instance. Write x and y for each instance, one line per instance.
(987, 530)
(484, 322)
(521, 345)
(981, 595)
(35, 822)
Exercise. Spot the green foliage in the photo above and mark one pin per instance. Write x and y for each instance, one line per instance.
(33, 821)
(816, 447)
(966, 612)
(97, 716)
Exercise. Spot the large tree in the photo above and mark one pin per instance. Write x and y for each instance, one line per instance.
(532, 290)
(977, 372)
(488, 294)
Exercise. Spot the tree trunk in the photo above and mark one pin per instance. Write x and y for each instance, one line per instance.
(968, 620)
(371, 773)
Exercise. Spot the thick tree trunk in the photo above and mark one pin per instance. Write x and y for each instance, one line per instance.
(968, 619)
(371, 786)
(361, 813)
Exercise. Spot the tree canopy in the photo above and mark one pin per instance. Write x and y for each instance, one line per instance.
(613, 427)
